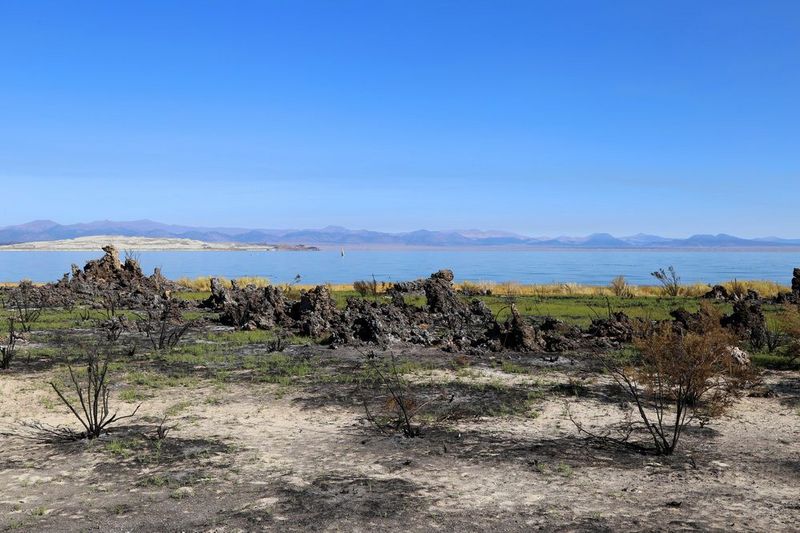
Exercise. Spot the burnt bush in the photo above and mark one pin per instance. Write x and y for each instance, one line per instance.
(677, 376)
(85, 394)
(26, 303)
(163, 324)
(388, 401)
(8, 348)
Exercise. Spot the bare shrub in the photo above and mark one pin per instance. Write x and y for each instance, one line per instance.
(132, 256)
(110, 301)
(620, 288)
(386, 389)
(279, 342)
(8, 349)
(163, 325)
(114, 327)
(161, 431)
(84, 314)
(678, 376)
(114, 324)
(90, 406)
(670, 281)
(361, 287)
(26, 304)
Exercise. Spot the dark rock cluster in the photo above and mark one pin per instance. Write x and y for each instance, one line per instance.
(717, 292)
(104, 281)
(106, 276)
(796, 284)
(446, 320)
(558, 336)
(519, 335)
(617, 328)
(748, 322)
(248, 307)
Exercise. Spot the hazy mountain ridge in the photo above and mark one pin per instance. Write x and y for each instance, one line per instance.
(48, 230)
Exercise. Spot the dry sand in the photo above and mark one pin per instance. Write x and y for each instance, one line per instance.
(96, 242)
(249, 457)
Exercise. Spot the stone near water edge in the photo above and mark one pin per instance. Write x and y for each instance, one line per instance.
(717, 292)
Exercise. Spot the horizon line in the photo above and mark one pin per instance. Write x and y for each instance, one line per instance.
(459, 231)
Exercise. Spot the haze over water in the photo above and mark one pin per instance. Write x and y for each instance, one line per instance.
(586, 267)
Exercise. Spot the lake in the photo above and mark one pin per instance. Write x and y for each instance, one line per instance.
(596, 267)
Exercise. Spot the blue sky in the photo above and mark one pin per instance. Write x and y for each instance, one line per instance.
(545, 118)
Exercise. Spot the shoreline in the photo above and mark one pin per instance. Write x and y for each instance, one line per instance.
(169, 244)
(255, 248)
(147, 244)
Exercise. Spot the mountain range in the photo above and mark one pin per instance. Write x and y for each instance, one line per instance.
(47, 230)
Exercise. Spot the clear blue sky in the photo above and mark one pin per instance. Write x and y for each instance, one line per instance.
(545, 118)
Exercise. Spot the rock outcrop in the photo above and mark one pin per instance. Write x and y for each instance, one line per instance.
(249, 307)
(717, 292)
(519, 335)
(617, 328)
(748, 322)
(316, 313)
(446, 320)
(106, 279)
(796, 284)
(105, 283)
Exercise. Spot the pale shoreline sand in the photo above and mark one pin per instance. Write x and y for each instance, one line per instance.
(96, 242)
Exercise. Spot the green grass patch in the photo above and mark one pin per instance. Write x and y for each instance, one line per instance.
(198, 353)
(281, 369)
(119, 447)
(256, 336)
(133, 395)
(581, 310)
(157, 380)
(50, 319)
(512, 368)
(774, 361)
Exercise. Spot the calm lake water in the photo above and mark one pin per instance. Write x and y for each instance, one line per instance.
(587, 267)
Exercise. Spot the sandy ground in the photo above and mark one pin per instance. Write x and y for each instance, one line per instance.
(96, 242)
(249, 457)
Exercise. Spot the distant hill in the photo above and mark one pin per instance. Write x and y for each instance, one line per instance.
(48, 230)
